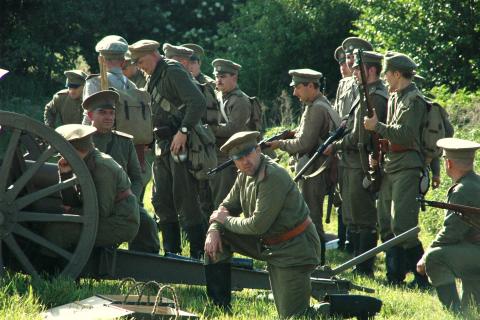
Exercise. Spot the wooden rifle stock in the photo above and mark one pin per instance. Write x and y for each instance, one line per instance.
(103, 73)
(374, 172)
(466, 213)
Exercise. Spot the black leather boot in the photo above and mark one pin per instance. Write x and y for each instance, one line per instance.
(413, 255)
(171, 238)
(395, 264)
(448, 296)
(367, 240)
(196, 237)
(341, 230)
(219, 286)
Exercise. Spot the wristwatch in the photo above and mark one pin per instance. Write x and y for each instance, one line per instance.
(184, 130)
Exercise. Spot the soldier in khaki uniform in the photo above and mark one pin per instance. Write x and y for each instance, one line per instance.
(455, 253)
(403, 166)
(67, 103)
(133, 73)
(318, 119)
(119, 145)
(117, 205)
(178, 53)
(196, 64)
(347, 93)
(177, 106)
(112, 50)
(235, 114)
(275, 227)
(358, 202)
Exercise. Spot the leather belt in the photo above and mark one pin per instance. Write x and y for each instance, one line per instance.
(289, 234)
(387, 146)
(123, 194)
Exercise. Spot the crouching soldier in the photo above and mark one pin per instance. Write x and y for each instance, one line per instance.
(118, 217)
(275, 227)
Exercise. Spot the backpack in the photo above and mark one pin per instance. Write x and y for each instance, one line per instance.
(202, 155)
(212, 112)
(133, 114)
(436, 126)
(255, 123)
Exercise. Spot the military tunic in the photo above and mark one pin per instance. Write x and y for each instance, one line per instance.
(397, 205)
(120, 147)
(347, 92)
(118, 220)
(358, 203)
(116, 79)
(176, 190)
(318, 119)
(455, 253)
(139, 78)
(235, 113)
(69, 110)
(272, 205)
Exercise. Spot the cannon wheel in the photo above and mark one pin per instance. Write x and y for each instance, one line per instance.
(21, 220)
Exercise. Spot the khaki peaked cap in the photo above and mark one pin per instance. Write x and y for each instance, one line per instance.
(176, 51)
(454, 148)
(225, 66)
(142, 48)
(240, 144)
(304, 76)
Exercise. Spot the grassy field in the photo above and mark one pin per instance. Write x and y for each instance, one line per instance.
(23, 298)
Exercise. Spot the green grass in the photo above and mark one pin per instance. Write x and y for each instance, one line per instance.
(23, 298)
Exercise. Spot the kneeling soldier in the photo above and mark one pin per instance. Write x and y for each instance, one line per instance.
(275, 228)
(455, 253)
(118, 217)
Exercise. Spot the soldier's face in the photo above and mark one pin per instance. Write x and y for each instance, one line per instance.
(249, 163)
(75, 93)
(345, 71)
(225, 82)
(350, 61)
(392, 78)
(194, 67)
(302, 92)
(102, 119)
(147, 63)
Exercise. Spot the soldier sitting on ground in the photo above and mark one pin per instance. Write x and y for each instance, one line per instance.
(118, 217)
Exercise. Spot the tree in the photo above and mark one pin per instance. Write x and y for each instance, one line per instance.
(442, 36)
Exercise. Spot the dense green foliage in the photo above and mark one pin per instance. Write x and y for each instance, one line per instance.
(442, 36)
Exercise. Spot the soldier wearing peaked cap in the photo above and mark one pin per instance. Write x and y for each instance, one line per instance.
(358, 201)
(235, 116)
(118, 207)
(66, 104)
(196, 64)
(455, 252)
(133, 73)
(347, 94)
(275, 227)
(111, 50)
(341, 58)
(318, 119)
(119, 145)
(178, 53)
(403, 167)
(177, 106)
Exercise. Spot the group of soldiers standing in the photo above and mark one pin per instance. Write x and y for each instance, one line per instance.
(282, 221)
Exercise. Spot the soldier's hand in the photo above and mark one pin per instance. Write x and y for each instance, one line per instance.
(63, 166)
(435, 182)
(219, 216)
(213, 244)
(273, 144)
(421, 266)
(328, 151)
(370, 123)
(178, 143)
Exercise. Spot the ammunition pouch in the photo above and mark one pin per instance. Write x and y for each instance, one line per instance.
(347, 305)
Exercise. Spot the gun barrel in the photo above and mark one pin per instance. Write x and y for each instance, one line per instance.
(373, 252)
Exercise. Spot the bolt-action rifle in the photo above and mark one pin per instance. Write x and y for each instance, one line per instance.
(469, 215)
(374, 174)
(286, 134)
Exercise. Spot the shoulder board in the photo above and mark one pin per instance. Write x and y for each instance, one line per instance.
(93, 75)
(122, 134)
(62, 92)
